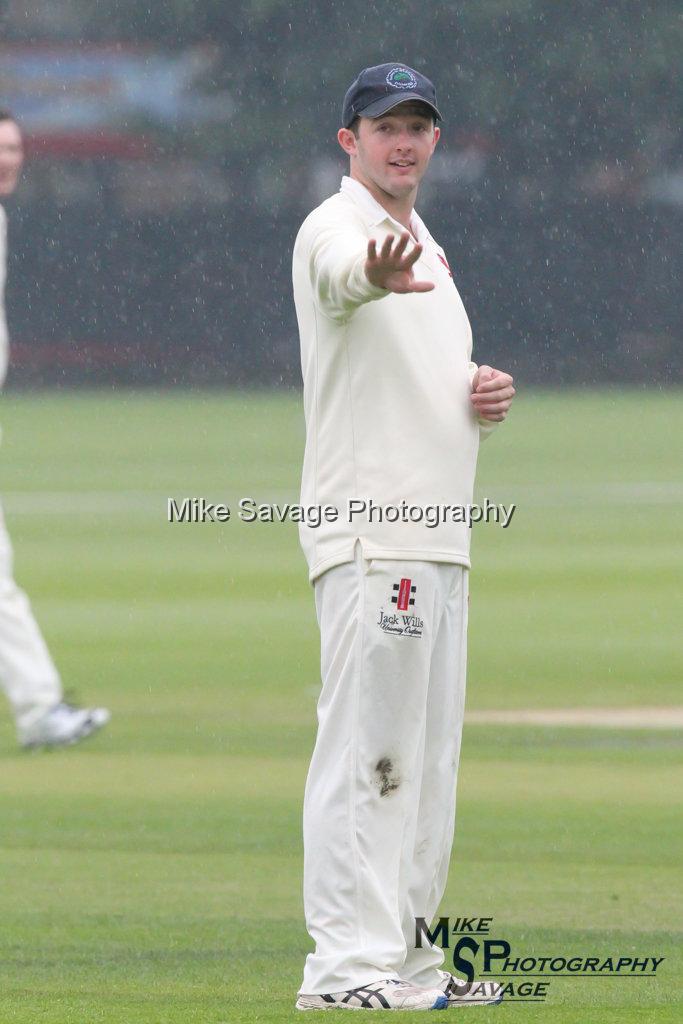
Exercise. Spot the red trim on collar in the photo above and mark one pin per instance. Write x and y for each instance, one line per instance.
(444, 263)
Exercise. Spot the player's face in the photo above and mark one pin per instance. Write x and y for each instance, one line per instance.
(393, 151)
(11, 156)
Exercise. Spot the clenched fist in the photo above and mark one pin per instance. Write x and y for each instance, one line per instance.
(492, 393)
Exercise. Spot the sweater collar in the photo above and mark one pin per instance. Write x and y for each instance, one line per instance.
(376, 212)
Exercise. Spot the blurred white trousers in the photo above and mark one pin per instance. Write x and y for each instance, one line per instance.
(379, 805)
(27, 673)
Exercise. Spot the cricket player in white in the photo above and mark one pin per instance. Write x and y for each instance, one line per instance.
(394, 412)
(27, 672)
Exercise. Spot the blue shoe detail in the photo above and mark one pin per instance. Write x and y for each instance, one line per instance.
(441, 1003)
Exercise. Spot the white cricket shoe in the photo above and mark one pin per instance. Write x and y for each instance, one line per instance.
(388, 994)
(473, 993)
(64, 724)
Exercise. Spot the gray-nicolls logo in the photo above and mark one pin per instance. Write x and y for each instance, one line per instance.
(402, 622)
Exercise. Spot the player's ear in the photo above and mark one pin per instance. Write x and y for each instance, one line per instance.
(347, 141)
(437, 136)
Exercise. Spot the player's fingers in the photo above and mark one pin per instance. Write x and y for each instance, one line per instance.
(385, 251)
(401, 245)
(503, 380)
(488, 395)
(412, 257)
(372, 250)
(493, 410)
(492, 414)
(421, 286)
(484, 373)
(493, 417)
(490, 399)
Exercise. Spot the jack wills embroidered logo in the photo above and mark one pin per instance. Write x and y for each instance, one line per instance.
(403, 594)
(406, 624)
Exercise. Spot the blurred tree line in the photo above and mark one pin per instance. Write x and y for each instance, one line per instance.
(555, 82)
(568, 268)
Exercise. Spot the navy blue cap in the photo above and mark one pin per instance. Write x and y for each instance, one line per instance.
(378, 89)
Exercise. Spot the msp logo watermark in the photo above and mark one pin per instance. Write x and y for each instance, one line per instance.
(524, 979)
(402, 78)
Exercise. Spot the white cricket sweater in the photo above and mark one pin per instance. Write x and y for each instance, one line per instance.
(387, 380)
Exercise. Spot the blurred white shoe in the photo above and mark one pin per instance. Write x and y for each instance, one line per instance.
(62, 725)
(389, 994)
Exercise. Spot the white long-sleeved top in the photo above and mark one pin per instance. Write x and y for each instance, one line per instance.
(4, 336)
(387, 380)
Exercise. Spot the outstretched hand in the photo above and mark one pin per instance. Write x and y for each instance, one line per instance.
(392, 269)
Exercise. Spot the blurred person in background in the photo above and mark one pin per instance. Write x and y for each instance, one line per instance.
(27, 673)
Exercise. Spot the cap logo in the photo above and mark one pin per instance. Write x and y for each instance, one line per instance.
(402, 78)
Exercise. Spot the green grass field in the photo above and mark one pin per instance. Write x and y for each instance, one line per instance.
(153, 876)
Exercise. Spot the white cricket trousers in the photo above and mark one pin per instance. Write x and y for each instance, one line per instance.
(379, 805)
(27, 673)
